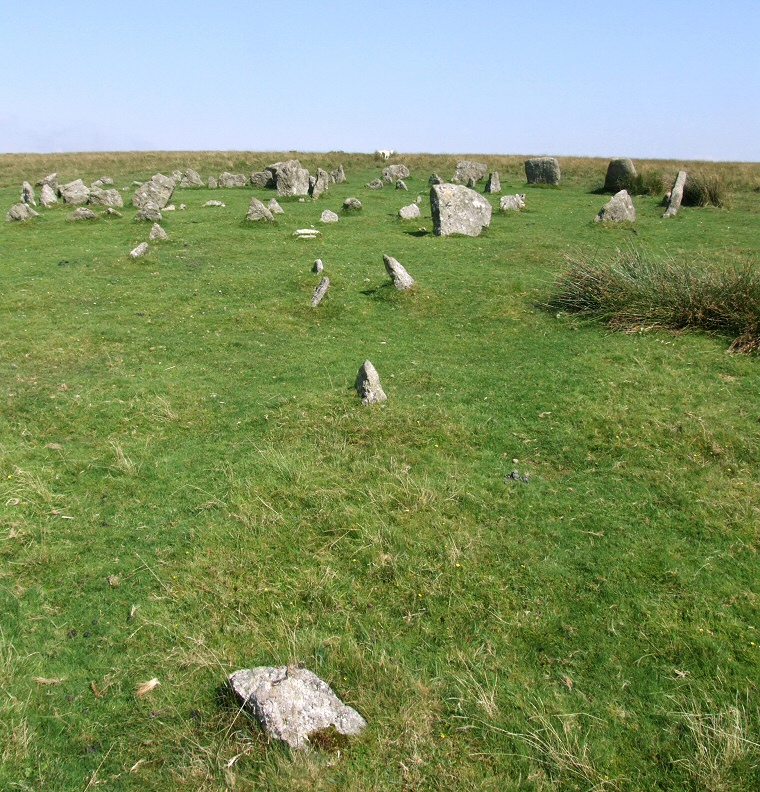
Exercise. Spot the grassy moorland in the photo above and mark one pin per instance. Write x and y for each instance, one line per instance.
(190, 485)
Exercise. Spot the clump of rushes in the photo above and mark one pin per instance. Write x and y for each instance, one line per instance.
(633, 292)
(704, 190)
(645, 183)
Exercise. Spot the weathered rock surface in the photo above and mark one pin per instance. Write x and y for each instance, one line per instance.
(290, 178)
(156, 232)
(409, 212)
(27, 194)
(190, 178)
(52, 180)
(139, 251)
(542, 170)
(402, 280)
(318, 266)
(493, 185)
(176, 175)
(292, 703)
(103, 181)
(262, 179)
(320, 291)
(329, 217)
(83, 213)
(676, 194)
(110, 212)
(100, 197)
(232, 180)
(149, 212)
(20, 212)
(512, 202)
(257, 211)
(338, 175)
(157, 190)
(458, 210)
(274, 207)
(618, 209)
(47, 196)
(467, 170)
(401, 185)
(320, 184)
(395, 172)
(375, 184)
(212, 183)
(435, 179)
(214, 203)
(352, 205)
(306, 233)
(619, 174)
(75, 192)
(368, 384)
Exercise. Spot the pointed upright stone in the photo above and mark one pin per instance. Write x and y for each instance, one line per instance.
(368, 384)
(27, 194)
(257, 211)
(493, 185)
(402, 280)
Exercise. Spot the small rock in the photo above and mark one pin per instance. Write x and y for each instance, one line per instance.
(274, 207)
(307, 233)
(435, 179)
(352, 205)
(512, 202)
(83, 213)
(375, 184)
(27, 194)
(47, 196)
(149, 212)
(176, 175)
(419, 200)
(212, 183)
(493, 185)
(182, 207)
(320, 291)
(213, 203)
(338, 175)
(20, 213)
(257, 211)
(329, 217)
(110, 212)
(368, 384)
(402, 280)
(401, 185)
(618, 209)
(318, 266)
(395, 172)
(409, 212)
(156, 232)
(139, 251)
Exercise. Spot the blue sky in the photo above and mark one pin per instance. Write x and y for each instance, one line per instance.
(643, 79)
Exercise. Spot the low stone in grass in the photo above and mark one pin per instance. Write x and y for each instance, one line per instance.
(257, 211)
(109, 211)
(395, 172)
(375, 184)
(190, 178)
(274, 207)
(139, 251)
(509, 203)
(401, 185)
(329, 217)
(402, 280)
(493, 185)
(542, 170)
(103, 181)
(75, 192)
(212, 183)
(458, 210)
(292, 704)
(676, 194)
(214, 203)
(20, 213)
(156, 232)
(47, 196)
(320, 292)
(368, 384)
(262, 179)
(232, 180)
(100, 197)
(620, 171)
(409, 212)
(352, 205)
(27, 194)
(617, 210)
(318, 266)
(306, 233)
(149, 213)
(83, 213)
(467, 170)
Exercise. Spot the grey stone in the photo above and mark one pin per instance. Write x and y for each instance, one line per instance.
(368, 384)
(110, 212)
(169, 208)
(619, 174)
(409, 212)
(149, 212)
(137, 184)
(27, 194)
(262, 179)
(157, 190)
(190, 178)
(542, 170)
(47, 196)
(292, 703)
(139, 251)
(419, 200)
(274, 207)
(212, 183)
(458, 210)
(20, 213)
(306, 233)
(156, 232)
(617, 210)
(177, 175)
(352, 205)
(329, 217)
(509, 203)
(394, 172)
(338, 175)
(676, 194)
(401, 185)
(435, 179)
(232, 180)
(257, 211)
(83, 213)
(214, 203)
(290, 178)
(320, 291)
(320, 183)
(75, 192)
(467, 170)
(375, 184)
(103, 181)
(493, 185)
(402, 280)
(51, 180)
(318, 266)
(100, 197)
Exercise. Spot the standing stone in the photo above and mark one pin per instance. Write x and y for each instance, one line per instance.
(190, 178)
(375, 184)
(409, 212)
(47, 196)
(676, 194)
(149, 212)
(212, 183)
(338, 175)
(157, 190)
(320, 184)
(458, 210)
(20, 213)
(262, 179)
(401, 185)
(368, 384)
(320, 291)
(435, 179)
(75, 192)
(292, 703)
(402, 280)
(27, 194)
(290, 178)
(493, 185)
(52, 180)
(177, 175)
(257, 211)
(329, 217)
(618, 209)
(100, 197)
(232, 180)
(542, 170)
(619, 174)
(274, 207)
(352, 205)
(394, 172)
(83, 213)
(156, 232)
(467, 170)
(139, 251)
(512, 203)
(318, 266)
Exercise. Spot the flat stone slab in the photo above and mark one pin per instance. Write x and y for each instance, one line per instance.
(292, 703)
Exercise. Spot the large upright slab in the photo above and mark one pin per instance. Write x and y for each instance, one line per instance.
(458, 210)
(542, 170)
(290, 178)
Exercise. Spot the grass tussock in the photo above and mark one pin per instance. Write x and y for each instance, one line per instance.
(647, 182)
(704, 190)
(634, 292)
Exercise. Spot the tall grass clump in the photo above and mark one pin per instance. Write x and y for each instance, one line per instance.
(634, 292)
(704, 190)
(644, 183)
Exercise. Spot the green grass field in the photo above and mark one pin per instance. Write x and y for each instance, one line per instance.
(190, 485)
